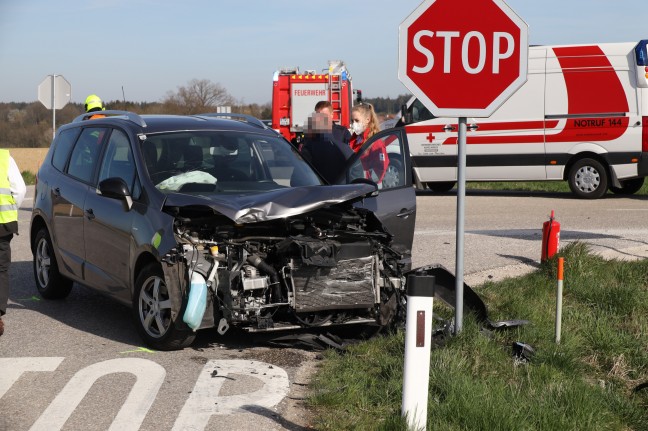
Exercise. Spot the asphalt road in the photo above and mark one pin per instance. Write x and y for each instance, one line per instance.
(503, 230)
(79, 364)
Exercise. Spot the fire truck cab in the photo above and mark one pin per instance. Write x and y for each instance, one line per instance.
(295, 93)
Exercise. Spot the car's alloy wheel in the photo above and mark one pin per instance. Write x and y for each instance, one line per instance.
(153, 313)
(49, 282)
(154, 307)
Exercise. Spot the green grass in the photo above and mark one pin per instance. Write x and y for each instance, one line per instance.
(29, 178)
(584, 383)
(531, 186)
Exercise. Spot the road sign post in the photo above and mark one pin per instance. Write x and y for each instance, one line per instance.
(54, 93)
(462, 58)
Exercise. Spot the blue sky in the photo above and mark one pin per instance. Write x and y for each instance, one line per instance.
(150, 47)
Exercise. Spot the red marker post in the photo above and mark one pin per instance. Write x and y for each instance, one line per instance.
(559, 295)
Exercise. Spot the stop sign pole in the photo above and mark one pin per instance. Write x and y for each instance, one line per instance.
(461, 58)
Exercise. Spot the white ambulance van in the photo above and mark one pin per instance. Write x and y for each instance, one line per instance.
(581, 117)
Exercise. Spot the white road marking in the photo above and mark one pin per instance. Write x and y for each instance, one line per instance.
(13, 368)
(150, 377)
(205, 400)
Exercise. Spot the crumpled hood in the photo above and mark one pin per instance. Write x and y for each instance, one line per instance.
(281, 203)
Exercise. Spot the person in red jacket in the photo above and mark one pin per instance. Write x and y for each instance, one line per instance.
(364, 124)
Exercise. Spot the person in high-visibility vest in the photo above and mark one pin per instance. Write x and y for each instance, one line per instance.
(94, 104)
(12, 193)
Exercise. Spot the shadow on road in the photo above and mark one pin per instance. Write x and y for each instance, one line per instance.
(270, 414)
(536, 234)
(83, 309)
(96, 314)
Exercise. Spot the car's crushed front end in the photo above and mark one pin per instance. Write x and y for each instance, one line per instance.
(298, 257)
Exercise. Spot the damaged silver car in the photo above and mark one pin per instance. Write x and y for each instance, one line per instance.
(215, 221)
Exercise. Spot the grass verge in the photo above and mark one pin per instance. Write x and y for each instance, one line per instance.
(532, 186)
(29, 178)
(585, 383)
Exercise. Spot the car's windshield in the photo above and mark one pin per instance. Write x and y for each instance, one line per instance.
(223, 162)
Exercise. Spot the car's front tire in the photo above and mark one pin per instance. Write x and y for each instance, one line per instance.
(152, 312)
(49, 281)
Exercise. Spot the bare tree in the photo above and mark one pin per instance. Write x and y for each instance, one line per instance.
(199, 95)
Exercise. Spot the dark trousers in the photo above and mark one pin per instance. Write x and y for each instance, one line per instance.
(5, 260)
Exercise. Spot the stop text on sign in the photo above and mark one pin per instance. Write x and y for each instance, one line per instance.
(503, 46)
(463, 58)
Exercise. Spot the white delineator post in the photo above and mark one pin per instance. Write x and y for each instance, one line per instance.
(418, 336)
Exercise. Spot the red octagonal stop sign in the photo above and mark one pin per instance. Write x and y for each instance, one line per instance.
(463, 58)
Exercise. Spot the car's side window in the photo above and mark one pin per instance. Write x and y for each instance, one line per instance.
(118, 160)
(86, 154)
(62, 147)
(381, 162)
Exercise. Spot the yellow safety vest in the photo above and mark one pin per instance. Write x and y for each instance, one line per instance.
(8, 207)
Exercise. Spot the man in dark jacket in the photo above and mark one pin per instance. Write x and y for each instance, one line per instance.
(340, 133)
(321, 149)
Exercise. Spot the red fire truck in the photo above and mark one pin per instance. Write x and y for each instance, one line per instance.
(295, 93)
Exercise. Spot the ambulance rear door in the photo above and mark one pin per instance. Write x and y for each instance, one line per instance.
(592, 108)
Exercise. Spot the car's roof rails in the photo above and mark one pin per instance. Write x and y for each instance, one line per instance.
(131, 116)
(238, 117)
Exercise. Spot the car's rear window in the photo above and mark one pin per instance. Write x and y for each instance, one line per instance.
(223, 162)
(62, 146)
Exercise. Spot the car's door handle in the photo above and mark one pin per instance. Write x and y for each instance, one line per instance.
(57, 192)
(404, 213)
(90, 214)
(472, 127)
(449, 128)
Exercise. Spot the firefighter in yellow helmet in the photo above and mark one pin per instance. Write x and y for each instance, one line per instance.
(94, 104)
(12, 193)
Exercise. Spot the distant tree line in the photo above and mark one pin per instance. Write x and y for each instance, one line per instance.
(386, 106)
(29, 125)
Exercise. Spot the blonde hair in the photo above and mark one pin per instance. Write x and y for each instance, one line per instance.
(367, 111)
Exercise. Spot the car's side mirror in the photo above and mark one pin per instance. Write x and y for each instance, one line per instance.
(362, 180)
(116, 188)
(406, 116)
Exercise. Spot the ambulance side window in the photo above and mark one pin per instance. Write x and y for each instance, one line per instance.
(420, 112)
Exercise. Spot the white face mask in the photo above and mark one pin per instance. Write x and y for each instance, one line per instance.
(357, 128)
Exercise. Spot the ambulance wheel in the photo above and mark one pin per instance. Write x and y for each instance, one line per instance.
(441, 187)
(628, 187)
(588, 179)
(152, 312)
(394, 174)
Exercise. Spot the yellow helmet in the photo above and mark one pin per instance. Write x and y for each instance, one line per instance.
(94, 103)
